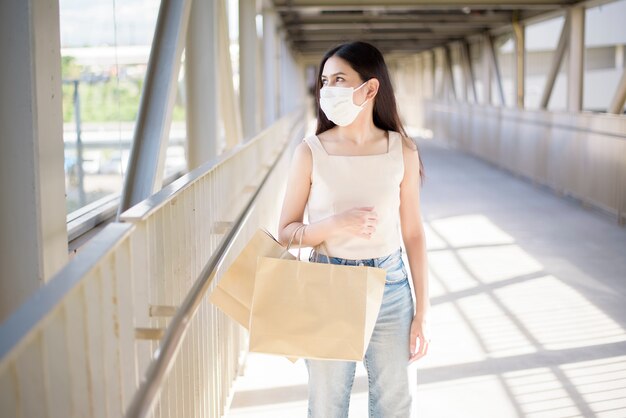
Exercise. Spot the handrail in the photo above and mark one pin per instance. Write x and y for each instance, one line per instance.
(159, 368)
(45, 299)
(145, 208)
(517, 115)
(85, 219)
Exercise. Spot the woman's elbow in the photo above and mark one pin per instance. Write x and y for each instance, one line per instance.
(283, 235)
(414, 237)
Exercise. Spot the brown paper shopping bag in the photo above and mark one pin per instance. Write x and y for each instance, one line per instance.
(233, 293)
(314, 310)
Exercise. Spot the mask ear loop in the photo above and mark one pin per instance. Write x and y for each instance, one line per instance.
(366, 100)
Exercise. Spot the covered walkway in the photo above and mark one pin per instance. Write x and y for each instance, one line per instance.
(143, 143)
(527, 290)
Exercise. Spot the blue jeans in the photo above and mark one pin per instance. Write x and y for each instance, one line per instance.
(386, 358)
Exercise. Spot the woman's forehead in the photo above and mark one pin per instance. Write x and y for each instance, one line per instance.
(335, 65)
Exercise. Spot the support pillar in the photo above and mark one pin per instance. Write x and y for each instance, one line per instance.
(468, 72)
(520, 62)
(248, 66)
(449, 76)
(486, 69)
(576, 49)
(270, 64)
(201, 83)
(33, 228)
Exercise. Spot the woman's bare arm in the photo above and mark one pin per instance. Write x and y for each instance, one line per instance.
(413, 229)
(415, 243)
(296, 197)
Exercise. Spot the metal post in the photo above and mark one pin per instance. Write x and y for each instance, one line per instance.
(281, 74)
(520, 58)
(576, 49)
(468, 70)
(147, 157)
(80, 172)
(448, 71)
(486, 68)
(619, 56)
(229, 107)
(465, 81)
(440, 83)
(248, 67)
(269, 88)
(617, 103)
(419, 90)
(430, 71)
(556, 63)
(493, 61)
(201, 84)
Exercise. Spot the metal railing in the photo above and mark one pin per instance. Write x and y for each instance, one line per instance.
(582, 155)
(124, 327)
(190, 233)
(69, 350)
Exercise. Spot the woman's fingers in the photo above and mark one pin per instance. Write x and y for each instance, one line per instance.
(422, 350)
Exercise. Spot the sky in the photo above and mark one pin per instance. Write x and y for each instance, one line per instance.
(92, 23)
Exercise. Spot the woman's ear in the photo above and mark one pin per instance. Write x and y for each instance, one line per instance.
(372, 88)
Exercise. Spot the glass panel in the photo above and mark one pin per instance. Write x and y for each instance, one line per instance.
(105, 45)
(541, 41)
(605, 37)
(232, 12)
(476, 49)
(176, 153)
(457, 73)
(504, 46)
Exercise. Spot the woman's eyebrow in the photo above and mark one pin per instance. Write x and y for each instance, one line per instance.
(334, 74)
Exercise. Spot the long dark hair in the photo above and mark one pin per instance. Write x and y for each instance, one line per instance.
(368, 62)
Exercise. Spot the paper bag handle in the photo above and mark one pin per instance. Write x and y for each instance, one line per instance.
(303, 226)
(291, 240)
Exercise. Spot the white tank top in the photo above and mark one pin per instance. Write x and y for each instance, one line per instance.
(340, 182)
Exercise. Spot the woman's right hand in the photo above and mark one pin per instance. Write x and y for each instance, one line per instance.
(359, 221)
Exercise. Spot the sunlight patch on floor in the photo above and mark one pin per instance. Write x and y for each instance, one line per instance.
(504, 335)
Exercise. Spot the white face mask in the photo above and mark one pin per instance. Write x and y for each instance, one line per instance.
(338, 105)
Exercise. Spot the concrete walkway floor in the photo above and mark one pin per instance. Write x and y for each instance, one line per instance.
(528, 293)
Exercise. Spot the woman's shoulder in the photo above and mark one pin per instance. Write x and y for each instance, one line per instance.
(304, 148)
(407, 142)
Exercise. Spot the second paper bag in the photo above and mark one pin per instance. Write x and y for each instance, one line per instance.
(314, 310)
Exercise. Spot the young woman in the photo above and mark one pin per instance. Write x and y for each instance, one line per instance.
(360, 177)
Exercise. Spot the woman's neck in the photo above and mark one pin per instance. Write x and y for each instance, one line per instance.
(359, 132)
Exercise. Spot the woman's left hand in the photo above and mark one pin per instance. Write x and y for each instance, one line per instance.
(420, 329)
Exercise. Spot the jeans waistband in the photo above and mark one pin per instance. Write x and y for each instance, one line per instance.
(372, 262)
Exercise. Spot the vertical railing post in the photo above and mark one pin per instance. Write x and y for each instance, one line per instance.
(80, 171)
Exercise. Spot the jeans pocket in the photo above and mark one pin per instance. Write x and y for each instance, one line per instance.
(396, 273)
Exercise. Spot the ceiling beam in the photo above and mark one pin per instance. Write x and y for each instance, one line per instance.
(390, 25)
(402, 16)
(316, 25)
(326, 36)
(456, 27)
(317, 7)
(306, 46)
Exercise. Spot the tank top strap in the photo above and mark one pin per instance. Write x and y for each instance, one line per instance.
(314, 144)
(395, 145)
